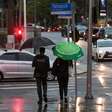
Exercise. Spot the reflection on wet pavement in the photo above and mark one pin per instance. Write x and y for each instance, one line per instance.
(19, 104)
(42, 108)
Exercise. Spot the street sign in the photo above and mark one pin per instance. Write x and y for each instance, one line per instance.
(61, 8)
(103, 7)
(65, 16)
(10, 39)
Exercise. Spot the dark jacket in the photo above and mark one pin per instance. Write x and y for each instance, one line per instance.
(77, 36)
(41, 64)
(60, 67)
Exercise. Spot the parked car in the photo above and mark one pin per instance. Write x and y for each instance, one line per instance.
(2, 51)
(108, 32)
(102, 49)
(17, 64)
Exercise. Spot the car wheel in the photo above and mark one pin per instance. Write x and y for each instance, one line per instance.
(1, 76)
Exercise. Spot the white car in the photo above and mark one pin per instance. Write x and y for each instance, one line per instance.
(17, 64)
(102, 49)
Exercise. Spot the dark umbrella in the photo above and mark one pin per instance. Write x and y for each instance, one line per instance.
(38, 42)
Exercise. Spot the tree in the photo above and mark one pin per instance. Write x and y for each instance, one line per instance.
(109, 8)
(42, 11)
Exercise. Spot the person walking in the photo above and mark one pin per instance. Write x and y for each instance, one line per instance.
(61, 70)
(41, 64)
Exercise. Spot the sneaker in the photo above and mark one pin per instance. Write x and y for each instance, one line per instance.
(45, 99)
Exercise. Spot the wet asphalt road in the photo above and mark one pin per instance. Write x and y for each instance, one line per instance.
(21, 96)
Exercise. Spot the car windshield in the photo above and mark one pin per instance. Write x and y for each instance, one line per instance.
(104, 44)
(108, 30)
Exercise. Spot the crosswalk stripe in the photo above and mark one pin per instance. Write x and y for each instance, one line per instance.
(51, 86)
(30, 87)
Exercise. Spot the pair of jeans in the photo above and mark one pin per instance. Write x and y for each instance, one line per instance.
(63, 86)
(41, 87)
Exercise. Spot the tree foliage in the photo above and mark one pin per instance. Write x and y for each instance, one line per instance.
(109, 8)
(43, 11)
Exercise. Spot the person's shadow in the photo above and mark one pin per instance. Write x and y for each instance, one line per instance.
(42, 108)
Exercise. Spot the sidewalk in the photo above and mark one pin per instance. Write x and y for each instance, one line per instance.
(81, 69)
(99, 104)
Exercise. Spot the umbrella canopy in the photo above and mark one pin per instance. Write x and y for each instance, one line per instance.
(38, 42)
(67, 51)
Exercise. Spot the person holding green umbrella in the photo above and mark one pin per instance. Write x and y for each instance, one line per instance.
(60, 69)
(66, 52)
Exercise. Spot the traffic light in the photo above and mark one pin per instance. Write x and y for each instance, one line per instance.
(103, 7)
(18, 34)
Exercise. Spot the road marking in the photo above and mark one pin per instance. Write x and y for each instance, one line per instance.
(25, 87)
(51, 85)
(29, 87)
(32, 87)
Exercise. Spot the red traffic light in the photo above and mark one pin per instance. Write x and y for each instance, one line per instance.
(18, 31)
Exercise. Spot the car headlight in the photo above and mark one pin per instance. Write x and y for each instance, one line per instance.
(70, 31)
(106, 35)
(93, 35)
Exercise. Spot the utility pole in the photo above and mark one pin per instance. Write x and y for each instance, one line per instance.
(10, 4)
(74, 39)
(35, 22)
(68, 26)
(20, 13)
(25, 25)
(89, 56)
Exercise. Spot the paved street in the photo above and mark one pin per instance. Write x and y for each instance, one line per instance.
(21, 96)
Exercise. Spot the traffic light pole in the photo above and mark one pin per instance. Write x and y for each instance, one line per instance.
(35, 22)
(20, 13)
(25, 26)
(68, 27)
(89, 56)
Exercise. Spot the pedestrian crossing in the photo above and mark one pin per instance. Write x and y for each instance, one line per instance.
(53, 88)
(32, 85)
(30, 88)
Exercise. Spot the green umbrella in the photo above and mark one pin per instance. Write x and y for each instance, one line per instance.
(67, 51)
